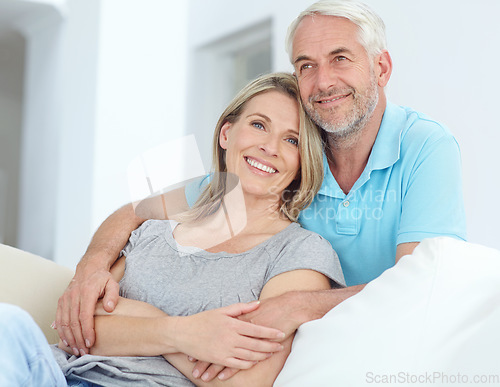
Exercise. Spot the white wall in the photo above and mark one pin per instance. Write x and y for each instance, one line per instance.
(77, 77)
(446, 57)
(445, 64)
(129, 65)
(12, 51)
(57, 115)
(141, 90)
(41, 129)
(106, 80)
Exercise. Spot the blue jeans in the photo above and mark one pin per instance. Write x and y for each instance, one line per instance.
(26, 357)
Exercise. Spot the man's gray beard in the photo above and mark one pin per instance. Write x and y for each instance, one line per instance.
(353, 124)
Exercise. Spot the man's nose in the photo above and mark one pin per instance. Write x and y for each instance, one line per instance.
(326, 78)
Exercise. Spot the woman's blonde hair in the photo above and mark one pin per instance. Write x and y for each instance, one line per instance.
(300, 193)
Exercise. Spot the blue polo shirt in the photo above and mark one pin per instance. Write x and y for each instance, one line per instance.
(411, 189)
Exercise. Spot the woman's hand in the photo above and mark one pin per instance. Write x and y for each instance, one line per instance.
(217, 336)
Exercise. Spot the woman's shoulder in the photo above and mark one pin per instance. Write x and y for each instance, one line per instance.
(295, 230)
(295, 236)
(155, 226)
(149, 231)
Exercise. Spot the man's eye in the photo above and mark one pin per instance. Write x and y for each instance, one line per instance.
(258, 125)
(293, 141)
(340, 58)
(305, 66)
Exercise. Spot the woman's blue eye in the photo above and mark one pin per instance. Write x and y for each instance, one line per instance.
(258, 125)
(293, 141)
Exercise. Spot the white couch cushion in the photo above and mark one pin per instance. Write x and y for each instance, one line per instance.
(433, 319)
(34, 284)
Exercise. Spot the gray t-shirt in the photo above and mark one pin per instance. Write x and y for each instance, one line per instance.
(183, 281)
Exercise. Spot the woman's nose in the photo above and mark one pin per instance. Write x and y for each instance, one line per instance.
(270, 146)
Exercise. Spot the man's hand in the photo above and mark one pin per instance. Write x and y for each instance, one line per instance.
(207, 371)
(75, 309)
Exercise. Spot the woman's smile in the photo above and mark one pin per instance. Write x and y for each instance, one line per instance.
(260, 165)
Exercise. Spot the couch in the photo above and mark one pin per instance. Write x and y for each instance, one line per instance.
(33, 283)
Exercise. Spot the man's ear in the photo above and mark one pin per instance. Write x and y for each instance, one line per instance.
(223, 135)
(383, 65)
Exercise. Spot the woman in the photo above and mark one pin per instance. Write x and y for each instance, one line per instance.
(244, 245)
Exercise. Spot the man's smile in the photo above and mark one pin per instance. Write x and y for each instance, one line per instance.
(330, 99)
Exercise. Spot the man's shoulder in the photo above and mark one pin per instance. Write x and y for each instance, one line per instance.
(420, 126)
(417, 129)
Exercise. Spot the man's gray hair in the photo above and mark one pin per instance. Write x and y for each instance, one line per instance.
(370, 26)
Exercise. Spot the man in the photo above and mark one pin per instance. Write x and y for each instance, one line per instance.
(392, 175)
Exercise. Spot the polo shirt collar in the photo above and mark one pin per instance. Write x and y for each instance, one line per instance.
(385, 152)
(329, 187)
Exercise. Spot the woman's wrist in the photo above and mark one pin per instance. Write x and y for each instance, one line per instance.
(169, 334)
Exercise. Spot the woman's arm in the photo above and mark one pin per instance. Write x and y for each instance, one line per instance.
(203, 336)
(264, 372)
(215, 336)
(137, 328)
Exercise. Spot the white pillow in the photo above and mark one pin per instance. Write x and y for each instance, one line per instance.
(432, 319)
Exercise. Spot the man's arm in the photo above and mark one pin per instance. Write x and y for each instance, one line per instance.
(286, 312)
(92, 280)
(290, 310)
(405, 249)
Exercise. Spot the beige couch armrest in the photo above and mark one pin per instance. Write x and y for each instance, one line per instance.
(34, 284)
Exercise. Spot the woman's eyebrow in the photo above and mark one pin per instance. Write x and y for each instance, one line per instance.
(260, 115)
(294, 131)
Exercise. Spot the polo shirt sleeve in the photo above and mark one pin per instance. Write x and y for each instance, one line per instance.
(433, 200)
(194, 189)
